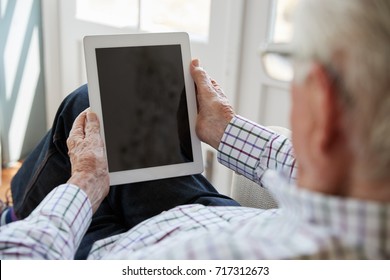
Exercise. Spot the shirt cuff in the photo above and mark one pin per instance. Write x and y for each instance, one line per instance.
(242, 145)
(69, 208)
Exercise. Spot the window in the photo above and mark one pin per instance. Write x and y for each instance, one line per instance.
(274, 50)
(191, 16)
(116, 13)
(283, 21)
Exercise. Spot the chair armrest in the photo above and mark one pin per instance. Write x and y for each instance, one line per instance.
(250, 194)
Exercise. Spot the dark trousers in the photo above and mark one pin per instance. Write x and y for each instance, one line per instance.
(125, 206)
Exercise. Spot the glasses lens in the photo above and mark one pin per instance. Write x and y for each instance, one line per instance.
(278, 67)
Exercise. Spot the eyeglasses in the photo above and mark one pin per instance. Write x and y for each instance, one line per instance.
(277, 61)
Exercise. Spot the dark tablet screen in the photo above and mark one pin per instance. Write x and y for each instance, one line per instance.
(144, 106)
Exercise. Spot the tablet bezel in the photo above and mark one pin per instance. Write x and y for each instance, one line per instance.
(91, 43)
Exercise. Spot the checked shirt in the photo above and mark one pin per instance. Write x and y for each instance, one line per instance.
(307, 225)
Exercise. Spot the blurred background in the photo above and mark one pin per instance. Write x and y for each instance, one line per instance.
(42, 60)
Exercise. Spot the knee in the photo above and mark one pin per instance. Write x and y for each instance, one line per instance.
(77, 100)
(74, 103)
(70, 108)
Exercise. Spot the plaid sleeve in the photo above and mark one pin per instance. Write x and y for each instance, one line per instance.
(249, 149)
(52, 231)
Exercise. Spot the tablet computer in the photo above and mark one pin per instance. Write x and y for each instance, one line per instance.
(142, 91)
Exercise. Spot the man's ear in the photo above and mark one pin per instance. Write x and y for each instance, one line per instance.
(325, 108)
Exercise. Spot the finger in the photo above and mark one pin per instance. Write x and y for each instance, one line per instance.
(196, 62)
(204, 84)
(77, 130)
(92, 125)
(198, 74)
(76, 134)
(215, 84)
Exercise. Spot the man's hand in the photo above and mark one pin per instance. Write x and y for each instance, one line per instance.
(214, 110)
(89, 164)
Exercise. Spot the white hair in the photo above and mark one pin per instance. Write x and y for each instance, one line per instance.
(352, 37)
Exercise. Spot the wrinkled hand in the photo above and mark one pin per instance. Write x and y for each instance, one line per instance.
(89, 164)
(214, 110)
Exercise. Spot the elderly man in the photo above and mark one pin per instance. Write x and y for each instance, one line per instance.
(339, 207)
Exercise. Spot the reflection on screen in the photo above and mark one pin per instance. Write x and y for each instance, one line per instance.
(144, 106)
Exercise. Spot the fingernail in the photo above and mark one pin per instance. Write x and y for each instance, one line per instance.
(195, 62)
(90, 116)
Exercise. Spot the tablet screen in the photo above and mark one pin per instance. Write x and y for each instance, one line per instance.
(144, 106)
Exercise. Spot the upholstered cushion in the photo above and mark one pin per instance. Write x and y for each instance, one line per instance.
(249, 194)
